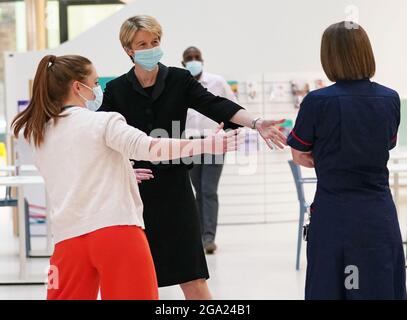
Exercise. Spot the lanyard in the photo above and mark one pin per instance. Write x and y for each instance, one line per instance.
(67, 107)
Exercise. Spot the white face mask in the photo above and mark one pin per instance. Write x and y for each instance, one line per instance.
(194, 67)
(148, 59)
(95, 104)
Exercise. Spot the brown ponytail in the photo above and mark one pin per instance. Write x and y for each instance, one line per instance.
(51, 87)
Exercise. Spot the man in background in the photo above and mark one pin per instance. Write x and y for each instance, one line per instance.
(206, 172)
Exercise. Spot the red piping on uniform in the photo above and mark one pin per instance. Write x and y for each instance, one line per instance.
(299, 139)
(37, 207)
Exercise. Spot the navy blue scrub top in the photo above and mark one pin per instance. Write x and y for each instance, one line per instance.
(349, 127)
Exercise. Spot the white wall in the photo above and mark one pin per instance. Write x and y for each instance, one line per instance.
(240, 37)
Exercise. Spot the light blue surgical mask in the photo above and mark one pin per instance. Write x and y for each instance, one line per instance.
(194, 67)
(149, 58)
(95, 104)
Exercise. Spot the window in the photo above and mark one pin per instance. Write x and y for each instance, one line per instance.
(13, 37)
(65, 19)
(76, 16)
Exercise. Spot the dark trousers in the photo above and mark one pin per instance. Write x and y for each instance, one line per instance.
(205, 176)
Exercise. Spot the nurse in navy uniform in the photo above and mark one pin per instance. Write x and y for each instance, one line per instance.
(153, 96)
(345, 131)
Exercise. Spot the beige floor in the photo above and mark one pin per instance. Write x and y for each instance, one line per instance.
(253, 262)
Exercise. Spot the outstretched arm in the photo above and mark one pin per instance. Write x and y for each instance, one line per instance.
(167, 149)
(135, 144)
(223, 110)
(268, 129)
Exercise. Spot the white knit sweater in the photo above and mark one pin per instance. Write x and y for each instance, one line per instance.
(90, 183)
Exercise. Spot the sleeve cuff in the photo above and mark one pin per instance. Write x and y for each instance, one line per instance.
(229, 114)
(295, 142)
(232, 110)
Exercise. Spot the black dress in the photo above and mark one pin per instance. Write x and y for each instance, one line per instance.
(170, 211)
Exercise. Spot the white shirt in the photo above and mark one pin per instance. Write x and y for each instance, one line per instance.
(90, 183)
(197, 124)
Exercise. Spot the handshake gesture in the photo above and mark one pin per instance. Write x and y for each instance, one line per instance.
(269, 131)
(218, 143)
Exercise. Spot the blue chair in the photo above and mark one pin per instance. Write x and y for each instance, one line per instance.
(8, 201)
(299, 184)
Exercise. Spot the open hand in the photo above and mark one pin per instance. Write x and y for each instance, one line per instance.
(269, 131)
(222, 142)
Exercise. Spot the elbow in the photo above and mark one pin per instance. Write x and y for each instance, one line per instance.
(303, 159)
(299, 161)
(296, 158)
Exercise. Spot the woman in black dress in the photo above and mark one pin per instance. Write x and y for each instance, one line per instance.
(154, 98)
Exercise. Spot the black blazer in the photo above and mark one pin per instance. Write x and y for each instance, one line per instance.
(174, 92)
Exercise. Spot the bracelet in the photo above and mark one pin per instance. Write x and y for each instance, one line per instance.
(254, 122)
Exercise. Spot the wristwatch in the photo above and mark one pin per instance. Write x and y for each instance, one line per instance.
(254, 122)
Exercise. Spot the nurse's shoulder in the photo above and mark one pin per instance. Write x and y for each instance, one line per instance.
(384, 91)
(320, 95)
(330, 91)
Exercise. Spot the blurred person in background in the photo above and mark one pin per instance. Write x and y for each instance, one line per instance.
(207, 169)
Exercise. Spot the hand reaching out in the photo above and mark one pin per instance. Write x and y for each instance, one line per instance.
(222, 142)
(269, 131)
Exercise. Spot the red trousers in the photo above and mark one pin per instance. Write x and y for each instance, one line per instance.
(116, 260)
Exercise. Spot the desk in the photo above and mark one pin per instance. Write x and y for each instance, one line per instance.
(396, 169)
(24, 168)
(397, 155)
(31, 169)
(19, 182)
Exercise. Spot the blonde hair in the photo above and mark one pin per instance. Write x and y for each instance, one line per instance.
(136, 23)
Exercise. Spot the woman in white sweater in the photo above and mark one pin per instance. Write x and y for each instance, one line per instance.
(94, 202)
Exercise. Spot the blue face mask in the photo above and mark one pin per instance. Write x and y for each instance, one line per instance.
(194, 67)
(95, 104)
(149, 58)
